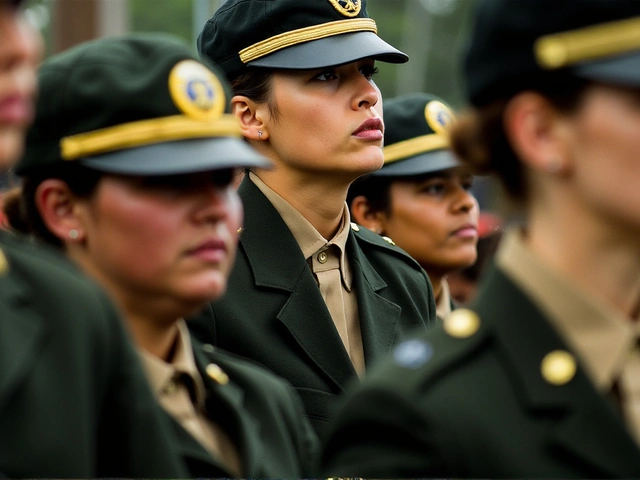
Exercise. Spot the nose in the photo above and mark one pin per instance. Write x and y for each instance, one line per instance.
(20, 45)
(218, 203)
(465, 202)
(367, 93)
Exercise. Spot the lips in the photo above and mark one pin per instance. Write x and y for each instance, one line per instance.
(468, 230)
(371, 128)
(16, 109)
(211, 251)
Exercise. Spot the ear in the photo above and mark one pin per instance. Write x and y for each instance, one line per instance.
(364, 215)
(536, 130)
(57, 207)
(251, 116)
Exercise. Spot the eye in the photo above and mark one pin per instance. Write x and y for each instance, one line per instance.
(434, 188)
(326, 75)
(369, 71)
(467, 183)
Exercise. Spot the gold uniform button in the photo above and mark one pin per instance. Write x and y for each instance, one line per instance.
(217, 374)
(355, 227)
(170, 388)
(558, 367)
(322, 257)
(388, 240)
(461, 323)
(240, 229)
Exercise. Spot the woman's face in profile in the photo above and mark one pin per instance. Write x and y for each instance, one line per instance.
(604, 144)
(20, 52)
(158, 239)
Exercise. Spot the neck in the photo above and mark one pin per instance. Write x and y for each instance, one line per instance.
(319, 200)
(436, 283)
(600, 258)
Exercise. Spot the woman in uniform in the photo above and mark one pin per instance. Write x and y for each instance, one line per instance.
(128, 169)
(421, 197)
(539, 378)
(312, 296)
(74, 402)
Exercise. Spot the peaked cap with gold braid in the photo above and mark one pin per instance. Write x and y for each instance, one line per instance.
(521, 44)
(139, 104)
(292, 34)
(416, 139)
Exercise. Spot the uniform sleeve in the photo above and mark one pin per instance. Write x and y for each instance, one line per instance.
(136, 438)
(379, 434)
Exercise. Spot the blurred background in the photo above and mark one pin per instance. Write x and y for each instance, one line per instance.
(432, 32)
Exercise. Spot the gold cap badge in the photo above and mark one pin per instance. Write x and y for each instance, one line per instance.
(461, 323)
(558, 367)
(196, 91)
(439, 117)
(348, 8)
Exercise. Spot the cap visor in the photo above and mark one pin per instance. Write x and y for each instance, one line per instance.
(621, 70)
(179, 157)
(420, 164)
(335, 50)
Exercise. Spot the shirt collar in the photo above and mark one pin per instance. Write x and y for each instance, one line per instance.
(160, 373)
(443, 307)
(306, 235)
(600, 336)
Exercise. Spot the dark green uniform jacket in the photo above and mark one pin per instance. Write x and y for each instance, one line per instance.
(262, 416)
(273, 311)
(74, 401)
(480, 407)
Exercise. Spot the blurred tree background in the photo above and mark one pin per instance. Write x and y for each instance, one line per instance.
(432, 32)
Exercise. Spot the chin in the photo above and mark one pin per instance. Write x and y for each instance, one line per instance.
(11, 148)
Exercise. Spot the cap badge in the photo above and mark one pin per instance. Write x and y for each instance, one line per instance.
(439, 117)
(196, 91)
(348, 8)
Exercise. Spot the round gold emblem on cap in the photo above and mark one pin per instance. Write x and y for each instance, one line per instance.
(217, 374)
(348, 8)
(558, 367)
(461, 323)
(439, 117)
(196, 91)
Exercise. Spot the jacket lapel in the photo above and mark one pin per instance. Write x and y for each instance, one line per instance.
(225, 405)
(22, 332)
(588, 431)
(279, 264)
(379, 317)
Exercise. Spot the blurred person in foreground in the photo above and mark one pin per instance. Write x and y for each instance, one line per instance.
(74, 401)
(539, 377)
(128, 169)
(421, 199)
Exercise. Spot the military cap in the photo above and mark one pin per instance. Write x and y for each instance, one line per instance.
(416, 137)
(140, 104)
(520, 44)
(292, 34)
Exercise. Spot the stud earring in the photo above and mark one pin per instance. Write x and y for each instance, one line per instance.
(260, 134)
(73, 234)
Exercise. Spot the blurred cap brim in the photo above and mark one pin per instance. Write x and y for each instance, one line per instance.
(179, 157)
(420, 164)
(623, 70)
(334, 50)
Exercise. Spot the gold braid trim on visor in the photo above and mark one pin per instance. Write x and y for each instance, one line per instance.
(567, 48)
(414, 146)
(306, 34)
(146, 132)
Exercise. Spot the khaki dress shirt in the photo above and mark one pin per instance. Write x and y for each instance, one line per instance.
(605, 341)
(180, 390)
(328, 261)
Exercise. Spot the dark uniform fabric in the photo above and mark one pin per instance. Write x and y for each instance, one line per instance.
(273, 311)
(262, 416)
(74, 401)
(479, 407)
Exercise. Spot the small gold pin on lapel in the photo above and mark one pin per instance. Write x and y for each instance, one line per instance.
(558, 367)
(240, 230)
(216, 374)
(388, 240)
(4, 264)
(461, 323)
(355, 227)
